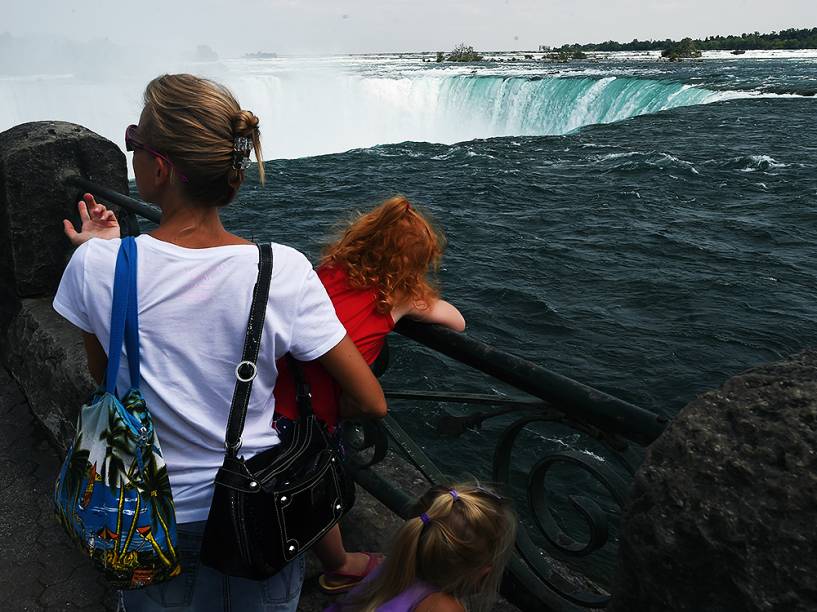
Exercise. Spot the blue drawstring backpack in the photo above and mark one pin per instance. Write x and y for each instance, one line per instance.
(113, 494)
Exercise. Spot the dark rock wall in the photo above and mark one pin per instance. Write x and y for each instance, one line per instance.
(46, 355)
(42, 351)
(723, 512)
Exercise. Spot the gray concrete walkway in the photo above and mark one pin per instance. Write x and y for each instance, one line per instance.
(40, 569)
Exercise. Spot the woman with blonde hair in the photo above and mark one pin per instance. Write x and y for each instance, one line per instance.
(448, 558)
(191, 149)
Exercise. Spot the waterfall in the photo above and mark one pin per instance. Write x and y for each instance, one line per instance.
(309, 113)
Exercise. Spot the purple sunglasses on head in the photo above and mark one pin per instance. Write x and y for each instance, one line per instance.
(132, 143)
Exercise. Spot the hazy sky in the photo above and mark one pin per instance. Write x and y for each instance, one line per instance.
(235, 27)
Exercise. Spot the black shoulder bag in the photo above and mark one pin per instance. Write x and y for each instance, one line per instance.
(270, 508)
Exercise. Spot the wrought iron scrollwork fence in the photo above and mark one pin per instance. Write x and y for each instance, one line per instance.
(543, 573)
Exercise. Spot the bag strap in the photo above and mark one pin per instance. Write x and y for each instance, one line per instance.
(303, 395)
(124, 317)
(132, 318)
(247, 369)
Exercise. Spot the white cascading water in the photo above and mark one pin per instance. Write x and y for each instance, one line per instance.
(326, 116)
(316, 112)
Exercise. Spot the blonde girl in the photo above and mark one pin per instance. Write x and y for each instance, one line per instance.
(448, 558)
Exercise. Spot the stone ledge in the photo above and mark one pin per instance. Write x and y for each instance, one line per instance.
(46, 356)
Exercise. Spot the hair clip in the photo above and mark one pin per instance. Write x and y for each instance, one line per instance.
(241, 152)
(425, 519)
(454, 494)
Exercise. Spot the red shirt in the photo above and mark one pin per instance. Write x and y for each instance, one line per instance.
(356, 310)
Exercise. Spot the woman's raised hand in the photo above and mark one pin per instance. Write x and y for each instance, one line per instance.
(97, 222)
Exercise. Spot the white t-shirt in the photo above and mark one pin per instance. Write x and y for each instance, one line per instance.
(193, 310)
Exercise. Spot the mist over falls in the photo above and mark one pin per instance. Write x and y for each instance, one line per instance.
(313, 112)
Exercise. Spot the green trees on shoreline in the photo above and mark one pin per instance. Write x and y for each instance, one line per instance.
(791, 38)
(784, 39)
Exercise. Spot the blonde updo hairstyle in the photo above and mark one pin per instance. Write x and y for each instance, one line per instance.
(195, 122)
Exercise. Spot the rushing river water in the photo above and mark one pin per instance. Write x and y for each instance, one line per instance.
(644, 227)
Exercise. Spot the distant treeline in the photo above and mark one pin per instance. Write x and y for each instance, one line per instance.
(784, 39)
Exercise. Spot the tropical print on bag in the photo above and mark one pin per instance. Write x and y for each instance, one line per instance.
(113, 493)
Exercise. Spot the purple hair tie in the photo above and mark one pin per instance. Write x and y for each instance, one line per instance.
(425, 519)
(454, 494)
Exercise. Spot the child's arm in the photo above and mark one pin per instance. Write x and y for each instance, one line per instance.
(347, 366)
(439, 311)
(350, 409)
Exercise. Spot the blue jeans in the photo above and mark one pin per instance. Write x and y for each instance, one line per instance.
(202, 589)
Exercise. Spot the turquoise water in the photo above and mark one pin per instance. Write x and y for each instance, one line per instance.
(559, 105)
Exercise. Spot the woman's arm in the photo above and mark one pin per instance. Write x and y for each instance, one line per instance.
(439, 311)
(349, 369)
(97, 359)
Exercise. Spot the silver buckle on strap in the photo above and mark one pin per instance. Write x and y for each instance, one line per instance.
(251, 377)
(233, 449)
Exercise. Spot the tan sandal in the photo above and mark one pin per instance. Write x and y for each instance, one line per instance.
(333, 583)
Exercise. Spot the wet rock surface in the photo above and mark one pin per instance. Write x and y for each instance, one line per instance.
(722, 512)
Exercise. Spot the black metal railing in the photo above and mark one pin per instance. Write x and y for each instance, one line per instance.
(114, 197)
(545, 572)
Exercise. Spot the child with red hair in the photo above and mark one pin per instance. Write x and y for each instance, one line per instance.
(375, 274)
